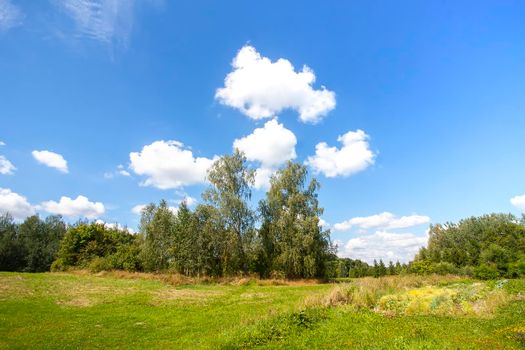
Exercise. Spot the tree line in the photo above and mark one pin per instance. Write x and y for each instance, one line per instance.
(487, 247)
(224, 236)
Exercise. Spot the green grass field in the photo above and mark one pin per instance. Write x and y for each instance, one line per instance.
(62, 311)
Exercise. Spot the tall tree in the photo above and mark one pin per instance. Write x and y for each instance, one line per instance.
(11, 251)
(291, 238)
(157, 224)
(229, 192)
(40, 241)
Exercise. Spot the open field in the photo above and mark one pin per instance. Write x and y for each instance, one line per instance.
(62, 310)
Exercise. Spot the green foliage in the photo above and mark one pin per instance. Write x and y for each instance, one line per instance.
(445, 268)
(487, 246)
(421, 267)
(84, 243)
(157, 225)
(517, 268)
(30, 246)
(277, 328)
(11, 248)
(486, 271)
(290, 238)
(230, 189)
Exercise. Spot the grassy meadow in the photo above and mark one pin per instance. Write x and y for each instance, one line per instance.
(138, 311)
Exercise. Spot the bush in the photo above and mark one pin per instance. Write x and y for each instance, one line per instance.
(421, 267)
(58, 265)
(445, 268)
(126, 258)
(99, 264)
(486, 272)
(516, 269)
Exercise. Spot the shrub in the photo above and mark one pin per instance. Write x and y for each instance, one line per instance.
(99, 264)
(58, 265)
(421, 267)
(486, 272)
(445, 268)
(516, 269)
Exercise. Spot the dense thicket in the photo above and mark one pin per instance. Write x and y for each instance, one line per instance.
(95, 246)
(487, 247)
(30, 246)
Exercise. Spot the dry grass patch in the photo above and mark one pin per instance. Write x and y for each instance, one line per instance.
(415, 295)
(178, 279)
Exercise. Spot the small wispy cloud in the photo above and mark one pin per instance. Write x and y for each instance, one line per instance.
(51, 159)
(6, 167)
(107, 21)
(121, 171)
(10, 15)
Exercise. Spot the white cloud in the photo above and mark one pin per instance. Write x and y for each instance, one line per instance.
(107, 21)
(383, 245)
(79, 207)
(2, 143)
(10, 15)
(190, 201)
(6, 167)
(115, 225)
(519, 202)
(262, 178)
(167, 164)
(323, 223)
(260, 88)
(15, 204)
(271, 146)
(137, 210)
(51, 159)
(121, 171)
(352, 157)
(384, 220)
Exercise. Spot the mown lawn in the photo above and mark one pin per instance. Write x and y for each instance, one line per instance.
(62, 311)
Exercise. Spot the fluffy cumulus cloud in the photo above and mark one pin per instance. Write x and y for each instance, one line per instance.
(382, 245)
(15, 204)
(519, 202)
(168, 164)
(51, 159)
(353, 156)
(271, 146)
(6, 167)
(260, 88)
(107, 21)
(78, 207)
(10, 15)
(384, 220)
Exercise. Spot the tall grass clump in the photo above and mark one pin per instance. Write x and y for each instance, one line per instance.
(411, 294)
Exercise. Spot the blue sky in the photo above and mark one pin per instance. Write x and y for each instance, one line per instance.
(408, 112)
